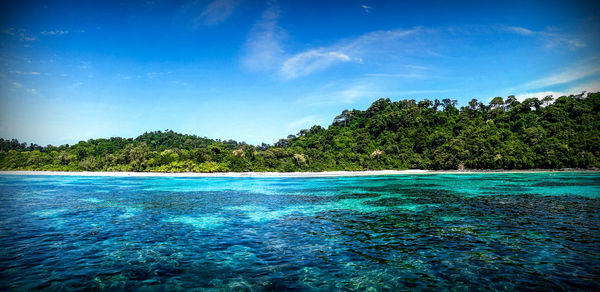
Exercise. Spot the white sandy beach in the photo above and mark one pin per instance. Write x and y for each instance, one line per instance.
(270, 174)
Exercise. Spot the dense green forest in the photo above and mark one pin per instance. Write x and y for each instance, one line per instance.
(504, 134)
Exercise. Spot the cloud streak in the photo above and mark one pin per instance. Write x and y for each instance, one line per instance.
(349, 50)
(264, 49)
(307, 62)
(568, 75)
(551, 38)
(364, 89)
(304, 122)
(593, 86)
(24, 72)
(21, 34)
(216, 12)
(54, 32)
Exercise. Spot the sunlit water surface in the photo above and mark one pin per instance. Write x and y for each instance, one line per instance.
(407, 232)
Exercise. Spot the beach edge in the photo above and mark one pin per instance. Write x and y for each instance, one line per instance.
(277, 174)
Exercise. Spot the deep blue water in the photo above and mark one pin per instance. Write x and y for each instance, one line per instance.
(408, 232)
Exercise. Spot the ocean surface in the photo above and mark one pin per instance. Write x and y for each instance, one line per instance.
(491, 231)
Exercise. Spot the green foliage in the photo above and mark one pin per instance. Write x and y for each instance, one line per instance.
(505, 134)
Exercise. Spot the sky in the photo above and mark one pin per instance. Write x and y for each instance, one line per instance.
(257, 71)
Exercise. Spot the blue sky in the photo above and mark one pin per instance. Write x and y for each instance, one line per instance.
(257, 71)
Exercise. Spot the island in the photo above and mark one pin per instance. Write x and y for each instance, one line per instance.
(535, 133)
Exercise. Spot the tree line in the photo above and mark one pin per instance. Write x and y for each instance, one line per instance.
(506, 133)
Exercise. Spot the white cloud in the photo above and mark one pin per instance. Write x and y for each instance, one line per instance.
(197, 13)
(306, 62)
(31, 90)
(593, 86)
(338, 95)
(551, 37)
(304, 122)
(24, 72)
(539, 95)
(17, 84)
(353, 49)
(179, 82)
(366, 8)
(54, 32)
(364, 89)
(400, 75)
(570, 74)
(152, 74)
(263, 49)
(21, 33)
(520, 30)
(216, 12)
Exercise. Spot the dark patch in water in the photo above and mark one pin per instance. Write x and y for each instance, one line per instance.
(566, 184)
(499, 189)
(357, 196)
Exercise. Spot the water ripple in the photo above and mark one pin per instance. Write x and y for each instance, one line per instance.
(422, 232)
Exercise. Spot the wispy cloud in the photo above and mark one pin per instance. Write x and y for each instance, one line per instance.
(303, 122)
(587, 86)
(179, 82)
(21, 34)
(153, 74)
(520, 30)
(216, 12)
(593, 86)
(537, 94)
(551, 37)
(339, 95)
(198, 13)
(348, 50)
(17, 84)
(307, 62)
(366, 8)
(31, 90)
(573, 73)
(263, 49)
(400, 75)
(54, 32)
(364, 89)
(24, 72)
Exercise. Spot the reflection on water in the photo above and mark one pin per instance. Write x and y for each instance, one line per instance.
(490, 231)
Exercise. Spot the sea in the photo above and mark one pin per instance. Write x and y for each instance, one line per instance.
(427, 232)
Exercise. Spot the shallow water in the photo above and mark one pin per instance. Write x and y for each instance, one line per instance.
(407, 232)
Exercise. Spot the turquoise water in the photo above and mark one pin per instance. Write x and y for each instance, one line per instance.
(408, 232)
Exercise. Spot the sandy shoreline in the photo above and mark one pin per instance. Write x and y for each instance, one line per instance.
(276, 174)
